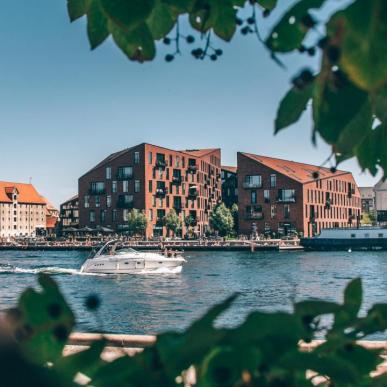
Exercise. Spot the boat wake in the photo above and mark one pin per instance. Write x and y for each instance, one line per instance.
(8, 269)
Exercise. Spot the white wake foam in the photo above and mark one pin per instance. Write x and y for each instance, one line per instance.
(48, 270)
(162, 270)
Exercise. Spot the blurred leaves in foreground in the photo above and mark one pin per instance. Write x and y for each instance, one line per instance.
(263, 351)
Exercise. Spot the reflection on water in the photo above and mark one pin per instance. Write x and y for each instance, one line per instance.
(151, 303)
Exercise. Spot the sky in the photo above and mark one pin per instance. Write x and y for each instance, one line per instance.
(63, 108)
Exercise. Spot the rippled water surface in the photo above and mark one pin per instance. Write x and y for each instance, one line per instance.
(151, 303)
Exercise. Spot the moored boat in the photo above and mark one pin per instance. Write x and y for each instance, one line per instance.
(111, 259)
(350, 239)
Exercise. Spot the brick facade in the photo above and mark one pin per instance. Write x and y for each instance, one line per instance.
(283, 197)
(154, 180)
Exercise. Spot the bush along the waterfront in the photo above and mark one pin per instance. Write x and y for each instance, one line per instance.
(263, 351)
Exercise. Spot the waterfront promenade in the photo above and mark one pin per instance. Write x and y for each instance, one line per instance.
(186, 245)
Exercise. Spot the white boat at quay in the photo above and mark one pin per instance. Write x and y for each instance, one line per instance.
(111, 259)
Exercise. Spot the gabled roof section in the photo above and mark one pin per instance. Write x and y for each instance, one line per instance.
(229, 168)
(27, 193)
(200, 152)
(301, 172)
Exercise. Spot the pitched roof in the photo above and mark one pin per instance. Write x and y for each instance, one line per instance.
(27, 193)
(229, 168)
(199, 152)
(300, 172)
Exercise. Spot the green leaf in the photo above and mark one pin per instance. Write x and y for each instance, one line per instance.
(161, 21)
(292, 106)
(331, 115)
(87, 362)
(137, 45)
(314, 308)
(361, 32)
(379, 101)
(289, 33)
(44, 323)
(267, 4)
(76, 8)
(353, 296)
(180, 5)
(220, 15)
(97, 24)
(128, 14)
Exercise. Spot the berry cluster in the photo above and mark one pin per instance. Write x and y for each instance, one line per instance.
(167, 41)
(303, 79)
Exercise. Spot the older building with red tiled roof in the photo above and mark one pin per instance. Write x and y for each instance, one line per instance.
(52, 217)
(155, 180)
(283, 197)
(22, 210)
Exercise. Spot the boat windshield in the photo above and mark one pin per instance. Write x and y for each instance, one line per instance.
(127, 250)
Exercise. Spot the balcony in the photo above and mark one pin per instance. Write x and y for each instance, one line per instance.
(96, 192)
(161, 192)
(161, 164)
(192, 168)
(176, 180)
(125, 205)
(254, 215)
(124, 176)
(248, 185)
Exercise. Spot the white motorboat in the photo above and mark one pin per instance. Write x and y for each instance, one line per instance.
(111, 259)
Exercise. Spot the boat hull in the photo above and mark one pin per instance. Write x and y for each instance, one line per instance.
(332, 244)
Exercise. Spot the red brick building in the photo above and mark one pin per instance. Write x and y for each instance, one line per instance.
(154, 180)
(283, 197)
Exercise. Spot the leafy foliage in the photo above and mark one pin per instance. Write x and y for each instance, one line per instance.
(137, 222)
(172, 221)
(263, 351)
(221, 220)
(353, 65)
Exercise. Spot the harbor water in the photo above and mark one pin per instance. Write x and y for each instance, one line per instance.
(149, 303)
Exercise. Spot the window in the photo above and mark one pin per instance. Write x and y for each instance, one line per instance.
(286, 195)
(114, 186)
(114, 215)
(150, 186)
(137, 157)
(87, 204)
(253, 197)
(97, 201)
(353, 235)
(253, 181)
(150, 215)
(273, 211)
(286, 211)
(92, 216)
(273, 181)
(380, 235)
(137, 186)
(266, 196)
(108, 201)
(125, 173)
(108, 173)
(97, 187)
(125, 215)
(150, 158)
(103, 216)
(125, 186)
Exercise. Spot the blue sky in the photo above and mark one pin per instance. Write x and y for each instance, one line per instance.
(63, 108)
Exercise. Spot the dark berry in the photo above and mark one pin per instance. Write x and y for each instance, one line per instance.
(308, 21)
(315, 175)
(54, 310)
(323, 42)
(166, 41)
(169, 58)
(311, 51)
(218, 52)
(245, 30)
(238, 21)
(190, 39)
(266, 13)
(307, 76)
(333, 169)
(250, 20)
(197, 53)
(213, 57)
(302, 48)
(298, 83)
(333, 54)
(60, 333)
(92, 302)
